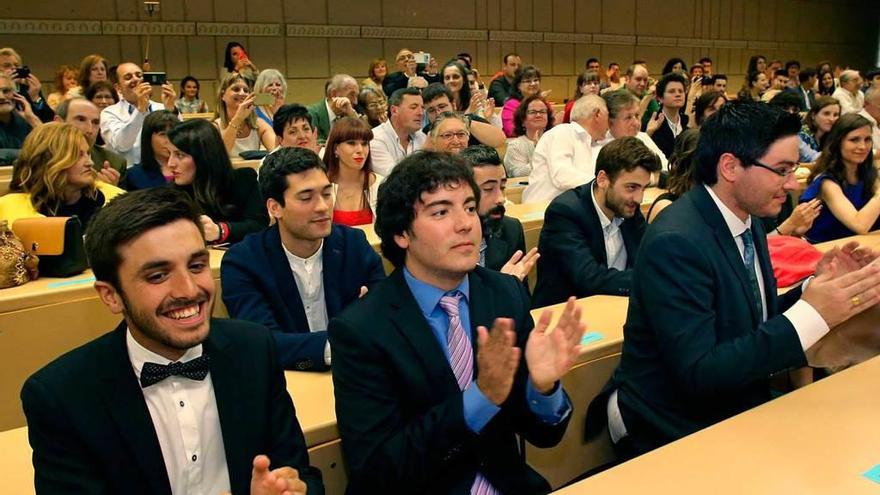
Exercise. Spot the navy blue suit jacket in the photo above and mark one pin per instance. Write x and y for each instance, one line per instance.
(259, 286)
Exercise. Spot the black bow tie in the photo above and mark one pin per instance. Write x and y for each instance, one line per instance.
(195, 369)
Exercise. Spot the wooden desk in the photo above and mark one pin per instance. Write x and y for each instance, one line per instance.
(239, 163)
(871, 240)
(45, 318)
(16, 469)
(315, 405)
(5, 178)
(531, 215)
(515, 188)
(209, 116)
(815, 440)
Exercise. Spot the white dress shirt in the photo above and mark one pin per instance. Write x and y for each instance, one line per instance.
(308, 273)
(849, 103)
(647, 141)
(386, 149)
(331, 115)
(187, 424)
(564, 158)
(615, 250)
(121, 125)
(875, 130)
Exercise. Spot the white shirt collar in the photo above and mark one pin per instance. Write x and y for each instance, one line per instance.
(734, 224)
(305, 262)
(604, 221)
(331, 115)
(138, 354)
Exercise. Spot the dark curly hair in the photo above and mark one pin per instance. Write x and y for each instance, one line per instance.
(419, 173)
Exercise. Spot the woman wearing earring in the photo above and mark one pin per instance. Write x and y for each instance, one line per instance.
(350, 169)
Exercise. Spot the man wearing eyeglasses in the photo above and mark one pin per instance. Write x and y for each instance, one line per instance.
(705, 328)
(438, 100)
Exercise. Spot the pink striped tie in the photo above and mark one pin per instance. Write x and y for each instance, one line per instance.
(461, 359)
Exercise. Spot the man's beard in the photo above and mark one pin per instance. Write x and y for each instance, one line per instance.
(492, 226)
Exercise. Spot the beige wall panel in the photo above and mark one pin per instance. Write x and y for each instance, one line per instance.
(721, 61)
(588, 17)
(737, 19)
(131, 49)
(507, 14)
(751, 12)
(347, 12)
(725, 8)
(524, 15)
(53, 9)
(205, 60)
(542, 56)
(560, 88)
(494, 14)
(261, 10)
(564, 61)
(175, 61)
(619, 17)
(307, 57)
(767, 20)
(446, 14)
(658, 18)
(697, 20)
(353, 56)
(656, 56)
(128, 10)
(199, 10)
(305, 91)
(481, 13)
(226, 11)
(445, 50)
(268, 52)
(170, 10)
(302, 12)
(622, 54)
(64, 50)
(563, 15)
(526, 53)
(480, 58)
(542, 15)
(492, 62)
(583, 52)
(715, 19)
(787, 21)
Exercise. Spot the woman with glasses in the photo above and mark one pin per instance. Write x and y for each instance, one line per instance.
(234, 117)
(450, 133)
(530, 120)
(845, 180)
(373, 101)
(588, 83)
(526, 82)
(350, 170)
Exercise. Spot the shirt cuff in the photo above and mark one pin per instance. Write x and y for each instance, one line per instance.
(807, 322)
(550, 409)
(478, 409)
(327, 353)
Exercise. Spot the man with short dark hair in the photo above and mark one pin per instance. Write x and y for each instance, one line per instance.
(401, 135)
(85, 116)
(706, 63)
(330, 265)
(438, 100)
(340, 100)
(804, 90)
(669, 122)
(427, 399)
(592, 64)
(293, 127)
(500, 87)
(591, 233)
(778, 84)
(792, 71)
(172, 401)
(719, 83)
(705, 327)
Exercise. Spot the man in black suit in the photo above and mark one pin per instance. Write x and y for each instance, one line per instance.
(503, 246)
(591, 233)
(705, 327)
(670, 121)
(428, 401)
(804, 90)
(171, 402)
(297, 274)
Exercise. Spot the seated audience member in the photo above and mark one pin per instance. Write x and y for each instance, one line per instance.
(681, 172)
(872, 78)
(871, 112)
(156, 405)
(330, 266)
(676, 65)
(341, 101)
(503, 247)
(293, 128)
(228, 198)
(85, 116)
(706, 105)
(793, 70)
(669, 122)
(234, 116)
(613, 78)
(445, 395)
(817, 124)
(772, 67)
(849, 94)
(526, 83)
(103, 95)
(53, 177)
(623, 121)
(696, 73)
(15, 124)
(637, 81)
(376, 74)
(757, 63)
(153, 169)
(438, 100)
(703, 335)
(272, 82)
(65, 80)
(236, 60)
(190, 101)
(719, 83)
(375, 105)
(706, 64)
(827, 85)
(591, 233)
(531, 120)
(804, 89)
(788, 101)
(92, 70)
(753, 87)
(401, 135)
(449, 133)
(844, 178)
(355, 185)
(777, 85)
(501, 87)
(565, 156)
(406, 76)
(121, 123)
(28, 87)
(587, 84)
(456, 81)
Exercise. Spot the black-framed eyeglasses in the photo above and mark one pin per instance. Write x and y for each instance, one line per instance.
(785, 172)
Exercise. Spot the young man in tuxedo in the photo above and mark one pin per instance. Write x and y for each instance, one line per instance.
(427, 399)
(171, 402)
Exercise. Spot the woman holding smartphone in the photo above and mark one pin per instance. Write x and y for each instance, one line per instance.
(234, 116)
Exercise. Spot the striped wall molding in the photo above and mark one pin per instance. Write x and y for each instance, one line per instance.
(137, 28)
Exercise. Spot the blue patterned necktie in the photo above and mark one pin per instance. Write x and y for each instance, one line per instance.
(749, 259)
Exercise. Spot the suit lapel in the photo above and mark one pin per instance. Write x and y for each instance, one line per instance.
(332, 255)
(482, 309)
(763, 255)
(593, 223)
(496, 249)
(124, 400)
(630, 230)
(284, 280)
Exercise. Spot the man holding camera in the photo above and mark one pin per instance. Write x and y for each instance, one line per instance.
(26, 83)
(121, 123)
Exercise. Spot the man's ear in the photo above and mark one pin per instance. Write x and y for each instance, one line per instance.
(602, 180)
(110, 297)
(56, 118)
(402, 240)
(274, 208)
(727, 164)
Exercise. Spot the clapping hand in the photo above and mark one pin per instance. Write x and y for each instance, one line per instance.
(280, 481)
(108, 174)
(519, 266)
(497, 360)
(550, 354)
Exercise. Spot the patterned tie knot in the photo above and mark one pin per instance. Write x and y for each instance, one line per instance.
(449, 303)
(195, 369)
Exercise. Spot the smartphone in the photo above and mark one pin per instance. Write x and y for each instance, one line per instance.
(264, 99)
(22, 72)
(422, 58)
(154, 78)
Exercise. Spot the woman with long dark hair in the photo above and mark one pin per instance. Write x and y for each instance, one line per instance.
(153, 169)
(455, 78)
(236, 59)
(349, 168)
(588, 83)
(845, 179)
(526, 82)
(818, 123)
(826, 83)
(229, 198)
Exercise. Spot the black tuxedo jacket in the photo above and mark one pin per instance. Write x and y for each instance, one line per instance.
(800, 94)
(259, 286)
(91, 431)
(399, 407)
(695, 349)
(573, 261)
(501, 246)
(663, 137)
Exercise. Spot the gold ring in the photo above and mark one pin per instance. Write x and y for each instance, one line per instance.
(856, 301)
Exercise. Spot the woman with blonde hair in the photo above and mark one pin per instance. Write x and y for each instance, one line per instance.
(270, 81)
(54, 176)
(376, 74)
(65, 80)
(234, 116)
